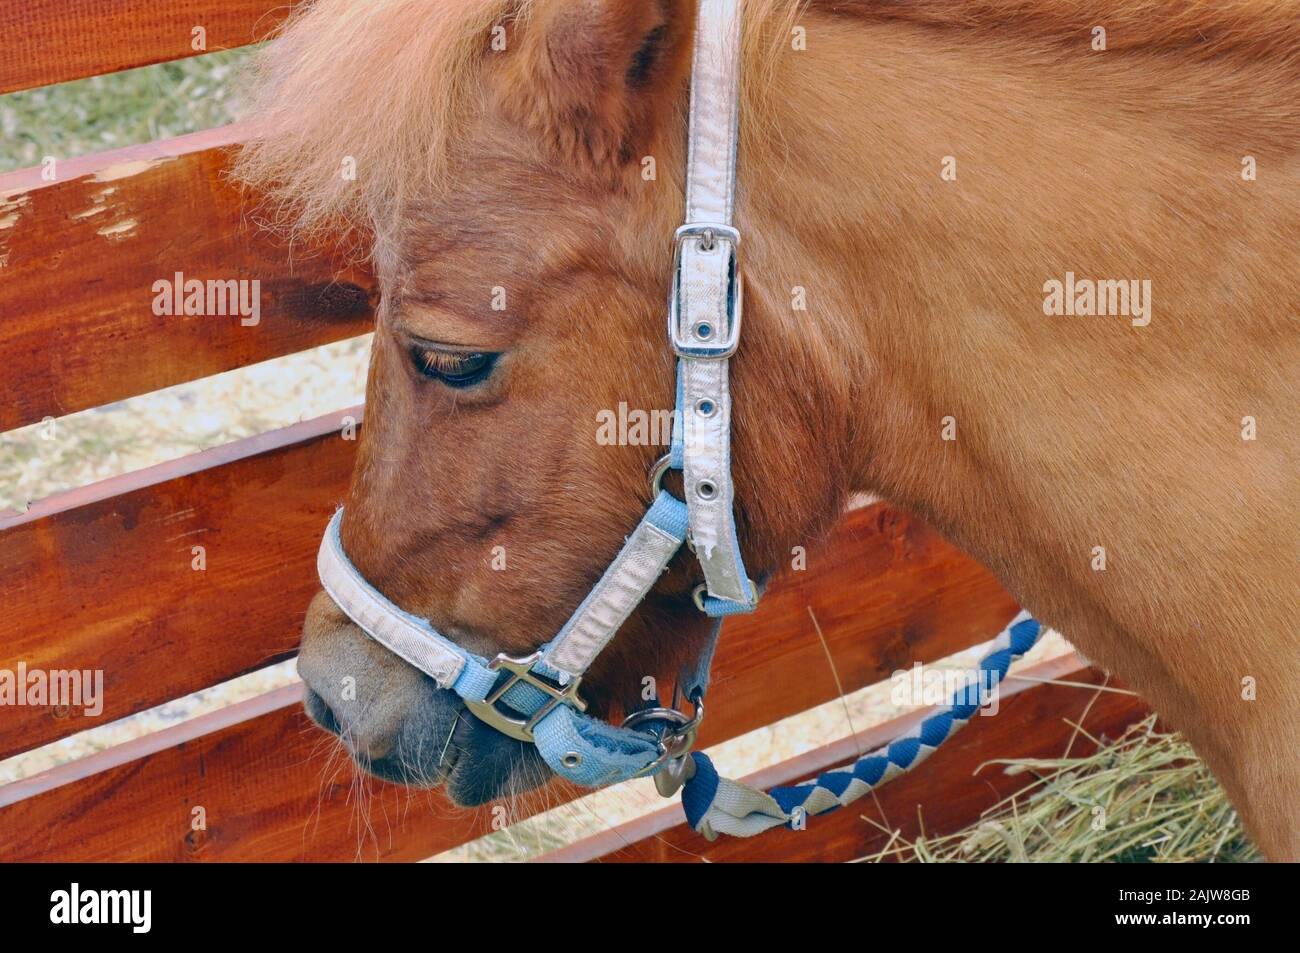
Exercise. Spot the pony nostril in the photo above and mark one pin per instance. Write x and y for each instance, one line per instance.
(320, 712)
(363, 741)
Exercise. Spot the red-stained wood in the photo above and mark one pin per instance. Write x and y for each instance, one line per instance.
(946, 793)
(53, 41)
(80, 256)
(101, 578)
(269, 784)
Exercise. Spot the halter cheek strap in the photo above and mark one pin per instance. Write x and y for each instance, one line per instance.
(535, 699)
(705, 308)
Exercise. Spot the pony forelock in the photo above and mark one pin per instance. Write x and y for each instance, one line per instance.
(356, 103)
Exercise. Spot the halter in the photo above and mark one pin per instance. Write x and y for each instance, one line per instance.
(535, 699)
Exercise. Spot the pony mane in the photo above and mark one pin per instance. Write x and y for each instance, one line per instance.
(385, 85)
(381, 85)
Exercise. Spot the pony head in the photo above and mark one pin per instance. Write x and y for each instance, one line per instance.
(515, 172)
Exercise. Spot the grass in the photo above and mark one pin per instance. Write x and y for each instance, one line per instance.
(121, 109)
(46, 458)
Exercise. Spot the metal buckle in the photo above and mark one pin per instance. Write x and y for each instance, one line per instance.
(675, 734)
(521, 669)
(703, 340)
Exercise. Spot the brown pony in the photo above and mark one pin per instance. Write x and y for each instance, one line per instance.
(927, 190)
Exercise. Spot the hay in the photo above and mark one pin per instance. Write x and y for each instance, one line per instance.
(1145, 798)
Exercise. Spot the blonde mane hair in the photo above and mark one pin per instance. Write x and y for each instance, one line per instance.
(381, 84)
(385, 85)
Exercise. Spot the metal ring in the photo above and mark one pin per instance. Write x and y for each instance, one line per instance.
(706, 489)
(661, 466)
(676, 719)
(706, 406)
(677, 737)
(697, 594)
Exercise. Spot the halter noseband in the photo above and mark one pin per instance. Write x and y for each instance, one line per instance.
(535, 699)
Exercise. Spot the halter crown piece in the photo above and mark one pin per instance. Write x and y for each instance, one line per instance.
(535, 699)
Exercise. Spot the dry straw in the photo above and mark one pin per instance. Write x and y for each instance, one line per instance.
(1160, 804)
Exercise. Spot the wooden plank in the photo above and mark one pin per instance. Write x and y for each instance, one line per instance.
(100, 578)
(270, 786)
(80, 257)
(947, 793)
(54, 41)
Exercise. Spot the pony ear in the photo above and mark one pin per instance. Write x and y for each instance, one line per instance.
(595, 77)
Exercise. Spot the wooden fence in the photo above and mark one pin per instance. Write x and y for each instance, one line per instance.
(100, 577)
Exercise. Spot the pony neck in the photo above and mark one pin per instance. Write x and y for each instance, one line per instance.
(924, 186)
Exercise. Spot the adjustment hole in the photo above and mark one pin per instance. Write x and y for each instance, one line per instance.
(706, 489)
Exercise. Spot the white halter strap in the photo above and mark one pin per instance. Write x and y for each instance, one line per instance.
(705, 305)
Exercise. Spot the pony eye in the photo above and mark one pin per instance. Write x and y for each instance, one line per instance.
(453, 368)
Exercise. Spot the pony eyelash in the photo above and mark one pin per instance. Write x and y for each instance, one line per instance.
(444, 361)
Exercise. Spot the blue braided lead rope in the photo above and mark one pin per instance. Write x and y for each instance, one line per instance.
(715, 805)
